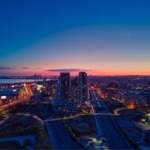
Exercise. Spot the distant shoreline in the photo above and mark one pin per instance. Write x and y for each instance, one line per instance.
(13, 81)
(48, 77)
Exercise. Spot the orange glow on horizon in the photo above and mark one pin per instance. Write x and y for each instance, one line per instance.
(28, 72)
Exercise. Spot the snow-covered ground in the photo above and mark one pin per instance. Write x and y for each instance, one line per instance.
(21, 140)
(143, 126)
(1, 122)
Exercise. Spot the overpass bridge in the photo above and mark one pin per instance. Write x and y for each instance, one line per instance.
(75, 116)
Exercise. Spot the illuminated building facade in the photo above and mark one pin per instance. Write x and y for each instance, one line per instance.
(65, 85)
(83, 88)
(74, 91)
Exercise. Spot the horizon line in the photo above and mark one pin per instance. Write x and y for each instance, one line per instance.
(71, 75)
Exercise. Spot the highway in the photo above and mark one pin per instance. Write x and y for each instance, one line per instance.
(109, 130)
(20, 99)
(59, 136)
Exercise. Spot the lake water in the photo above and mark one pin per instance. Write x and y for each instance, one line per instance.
(16, 80)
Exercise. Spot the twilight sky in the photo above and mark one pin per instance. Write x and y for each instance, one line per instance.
(101, 37)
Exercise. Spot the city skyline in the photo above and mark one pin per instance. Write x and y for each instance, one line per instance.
(99, 37)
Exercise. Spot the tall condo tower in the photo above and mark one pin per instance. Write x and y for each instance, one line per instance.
(65, 84)
(83, 88)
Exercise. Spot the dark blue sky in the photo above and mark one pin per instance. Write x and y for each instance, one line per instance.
(47, 34)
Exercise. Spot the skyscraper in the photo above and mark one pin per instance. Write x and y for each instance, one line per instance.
(65, 84)
(74, 91)
(83, 88)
